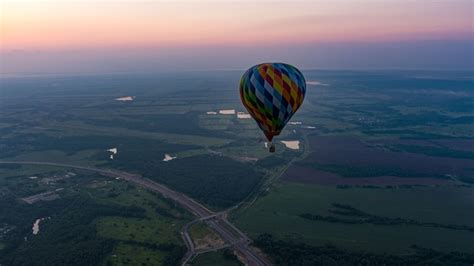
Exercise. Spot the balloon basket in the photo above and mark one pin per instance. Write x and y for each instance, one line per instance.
(271, 147)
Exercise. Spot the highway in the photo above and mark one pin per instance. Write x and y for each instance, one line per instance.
(227, 231)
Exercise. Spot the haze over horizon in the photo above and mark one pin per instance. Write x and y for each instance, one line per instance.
(127, 36)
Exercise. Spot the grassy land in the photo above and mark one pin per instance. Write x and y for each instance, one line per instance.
(203, 237)
(154, 240)
(88, 129)
(127, 254)
(161, 226)
(216, 258)
(25, 170)
(278, 213)
(83, 157)
(199, 230)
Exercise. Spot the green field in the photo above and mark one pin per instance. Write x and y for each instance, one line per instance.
(216, 258)
(133, 254)
(203, 236)
(277, 213)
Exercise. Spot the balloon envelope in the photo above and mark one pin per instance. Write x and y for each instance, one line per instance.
(272, 93)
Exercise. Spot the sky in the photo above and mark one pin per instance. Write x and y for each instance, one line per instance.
(83, 36)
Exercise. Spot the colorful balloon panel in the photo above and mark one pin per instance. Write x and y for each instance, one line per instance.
(272, 93)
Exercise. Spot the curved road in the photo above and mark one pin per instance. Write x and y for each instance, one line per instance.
(227, 231)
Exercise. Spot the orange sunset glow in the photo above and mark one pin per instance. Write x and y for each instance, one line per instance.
(110, 35)
(76, 24)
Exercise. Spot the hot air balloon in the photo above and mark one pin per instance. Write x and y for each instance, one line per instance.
(272, 93)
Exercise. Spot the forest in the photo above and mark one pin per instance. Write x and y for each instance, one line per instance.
(68, 235)
(354, 216)
(293, 253)
(214, 180)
